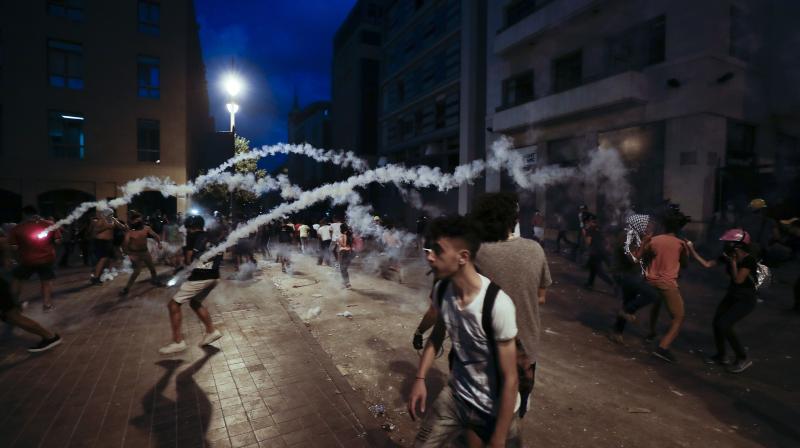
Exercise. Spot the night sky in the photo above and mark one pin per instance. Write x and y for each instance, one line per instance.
(277, 46)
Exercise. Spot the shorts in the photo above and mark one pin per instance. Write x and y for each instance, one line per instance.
(103, 249)
(194, 290)
(6, 300)
(44, 271)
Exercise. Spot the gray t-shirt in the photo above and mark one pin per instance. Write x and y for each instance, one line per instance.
(519, 267)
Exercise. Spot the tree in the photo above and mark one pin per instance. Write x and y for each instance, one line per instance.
(240, 200)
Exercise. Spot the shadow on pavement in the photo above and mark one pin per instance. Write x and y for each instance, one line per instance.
(190, 412)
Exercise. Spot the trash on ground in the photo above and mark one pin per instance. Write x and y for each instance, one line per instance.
(377, 410)
(639, 411)
(388, 427)
(676, 392)
(345, 314)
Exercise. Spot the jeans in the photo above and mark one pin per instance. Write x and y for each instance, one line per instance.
(596, 269)
(345, 257)
(636, 294)
(734, 307)
(448, 416)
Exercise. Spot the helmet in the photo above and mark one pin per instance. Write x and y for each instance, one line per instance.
(757, 204)
(736, 236)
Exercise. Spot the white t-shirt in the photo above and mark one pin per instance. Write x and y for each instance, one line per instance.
(336, 230)
(324, 232)
(303, 231)
(474, 375)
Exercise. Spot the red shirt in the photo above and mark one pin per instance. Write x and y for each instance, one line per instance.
(665, 253)
(32, 249)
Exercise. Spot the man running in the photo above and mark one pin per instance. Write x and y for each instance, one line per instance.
(135, 245)
(37, 253)
(10, 311)
(199, 284)
(665, 255)
(482, 395)
(102, 231)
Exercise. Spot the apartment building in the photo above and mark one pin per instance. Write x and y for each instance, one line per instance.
(95, 94)
(698, 97)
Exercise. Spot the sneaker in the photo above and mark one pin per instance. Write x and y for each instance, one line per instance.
(740, 366)
(627, 316)
(94, 280)
(211, 337)
(46, 344)
(48, 308)
(664, 354)
(616, 338)
(716, 359)
(174, 347)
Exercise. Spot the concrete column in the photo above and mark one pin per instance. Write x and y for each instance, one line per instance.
(702, 138)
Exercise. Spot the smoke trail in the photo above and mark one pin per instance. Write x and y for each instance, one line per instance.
(167, 187)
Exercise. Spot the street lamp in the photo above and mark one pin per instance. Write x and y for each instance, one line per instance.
(233, 86)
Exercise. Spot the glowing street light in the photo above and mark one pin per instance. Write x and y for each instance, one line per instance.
(233, 85)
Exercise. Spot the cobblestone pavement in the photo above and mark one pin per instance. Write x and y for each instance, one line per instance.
(267, 382)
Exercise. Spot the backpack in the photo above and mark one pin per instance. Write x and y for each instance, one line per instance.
(524, 371)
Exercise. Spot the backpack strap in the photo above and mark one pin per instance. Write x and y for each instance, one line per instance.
(488, 328)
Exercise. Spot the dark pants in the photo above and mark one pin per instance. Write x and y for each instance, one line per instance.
(324, 252)
(345, 257)
(733, 308)
(67, 247)
(596, 269)
(636, 294)
(562, 236)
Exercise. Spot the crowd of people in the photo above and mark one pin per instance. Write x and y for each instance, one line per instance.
(489, 284)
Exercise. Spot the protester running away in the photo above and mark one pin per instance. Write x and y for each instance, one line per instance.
(739, 301)
(481, 398)
(345, 249)
(36, 252)
(202, 280)
(135, 246)
(102, 231)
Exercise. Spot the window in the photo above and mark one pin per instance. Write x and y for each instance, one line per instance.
(441, 118)
(148, 141)
(741, 143)
(519, 9)
(71, 9)
(65, 131)
(370, 37)
(149, 73)
(568, 71)
(149, 17)
(518, 89)
(637, 47)
(65, 64)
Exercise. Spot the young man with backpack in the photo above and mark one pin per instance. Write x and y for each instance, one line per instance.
(482, 395)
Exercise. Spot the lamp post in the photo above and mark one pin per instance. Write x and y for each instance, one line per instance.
(233, 86)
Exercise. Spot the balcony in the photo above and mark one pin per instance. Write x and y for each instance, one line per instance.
(549, 16)
(626, 89)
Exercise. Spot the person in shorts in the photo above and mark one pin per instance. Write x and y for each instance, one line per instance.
(36, 249)
(194, 290)
(102, 231)
(135, 245)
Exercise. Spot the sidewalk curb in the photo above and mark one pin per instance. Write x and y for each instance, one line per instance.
(375, 436)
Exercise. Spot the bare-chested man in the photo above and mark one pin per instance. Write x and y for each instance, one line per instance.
(135, 245)
(102, 231)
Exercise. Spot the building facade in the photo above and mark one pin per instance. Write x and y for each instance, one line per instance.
(432, 93)
(355, 80)
(696, 96)
(311, 125)
(95, 94)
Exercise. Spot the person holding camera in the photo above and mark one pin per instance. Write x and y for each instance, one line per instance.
(739, 301)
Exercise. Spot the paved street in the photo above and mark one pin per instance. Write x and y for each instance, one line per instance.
(265, 383)
(291, 371)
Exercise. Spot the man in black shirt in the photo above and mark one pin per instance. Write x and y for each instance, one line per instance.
(200, 283)
(597, 252)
